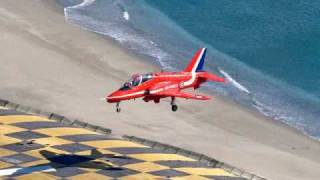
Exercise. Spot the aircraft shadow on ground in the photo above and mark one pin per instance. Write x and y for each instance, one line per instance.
(96, 160)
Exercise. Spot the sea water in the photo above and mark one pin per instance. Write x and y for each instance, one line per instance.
(269, 50)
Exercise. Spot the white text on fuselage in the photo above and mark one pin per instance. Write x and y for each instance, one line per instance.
(173, 86)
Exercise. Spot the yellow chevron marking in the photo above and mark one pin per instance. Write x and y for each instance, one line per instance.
(89, 176)
(160, 157)
(143, 176)
(7, 129)
(205, 171)
(4, 140)
(192, 177)
(36, 176)
(146, 167)
(36, 163)
(21, 118)
(112, 144)
(102, 151)
(60, 131)
(5, 152)
(51, 141)
(4, 165)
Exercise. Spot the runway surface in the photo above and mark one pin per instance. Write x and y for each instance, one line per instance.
(34, 147)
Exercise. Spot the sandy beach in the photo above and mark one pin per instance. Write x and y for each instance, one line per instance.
(56, 66)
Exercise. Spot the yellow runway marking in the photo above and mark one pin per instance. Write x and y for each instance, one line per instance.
(103, 151)
(36, 163)
(36, 176)
(205, 171)
(60, 131)
(7, 129)
(4, 140)
(192, 177)
(90, 176)
(4, 165)
(160, 157)
(146, 167)
(21, 118)
(94, 165)
(52, 141)
(112, 144)
(142, 176)
(5, 152)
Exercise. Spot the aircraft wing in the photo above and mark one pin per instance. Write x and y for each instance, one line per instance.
(179, 94)
(190, 96)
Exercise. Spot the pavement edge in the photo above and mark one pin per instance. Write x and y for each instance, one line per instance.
(196, 156)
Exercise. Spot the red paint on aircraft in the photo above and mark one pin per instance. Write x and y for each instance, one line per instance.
(155, 86)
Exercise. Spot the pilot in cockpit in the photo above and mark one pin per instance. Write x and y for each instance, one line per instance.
(136, 80)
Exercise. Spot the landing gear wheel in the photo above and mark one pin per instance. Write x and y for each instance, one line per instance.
(118, 110)
(174, 108)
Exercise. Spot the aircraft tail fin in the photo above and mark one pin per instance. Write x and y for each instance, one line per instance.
(197, 62)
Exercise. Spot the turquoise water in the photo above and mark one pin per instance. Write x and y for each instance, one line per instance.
(280, 38)
(271, 48)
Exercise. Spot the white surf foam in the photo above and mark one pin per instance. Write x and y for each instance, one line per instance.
(234, 82)
(84, 3)
(127, 37)
(126, 15)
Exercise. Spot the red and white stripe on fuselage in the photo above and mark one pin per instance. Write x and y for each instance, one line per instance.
(160, 82)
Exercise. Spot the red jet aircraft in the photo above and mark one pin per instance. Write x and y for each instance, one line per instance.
(154, 86)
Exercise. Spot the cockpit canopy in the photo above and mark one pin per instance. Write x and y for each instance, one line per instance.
(136, 80)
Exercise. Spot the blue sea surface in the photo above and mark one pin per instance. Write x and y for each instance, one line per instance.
(269, 47)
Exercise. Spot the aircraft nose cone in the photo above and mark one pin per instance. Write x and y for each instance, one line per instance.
(113, 97)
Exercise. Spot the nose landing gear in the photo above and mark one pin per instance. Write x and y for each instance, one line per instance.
(174, 107)
(118, 107)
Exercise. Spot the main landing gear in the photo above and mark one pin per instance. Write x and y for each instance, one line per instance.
(174, 107)
(118, 107)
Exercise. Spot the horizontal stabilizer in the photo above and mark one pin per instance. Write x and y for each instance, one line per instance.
(211, 77)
